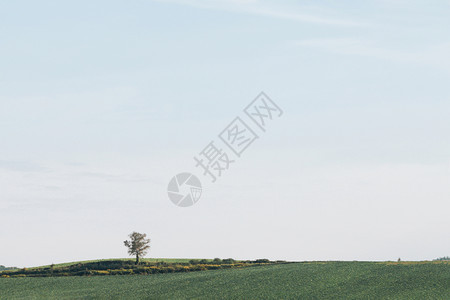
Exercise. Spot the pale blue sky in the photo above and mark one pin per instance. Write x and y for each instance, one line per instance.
(102, 102)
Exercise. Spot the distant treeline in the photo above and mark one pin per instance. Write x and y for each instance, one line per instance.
(3, 268)
(121, 267)
(443, 258)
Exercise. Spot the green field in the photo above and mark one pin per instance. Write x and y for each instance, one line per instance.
(310, 280)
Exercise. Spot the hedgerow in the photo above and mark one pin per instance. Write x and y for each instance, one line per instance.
(118, 267)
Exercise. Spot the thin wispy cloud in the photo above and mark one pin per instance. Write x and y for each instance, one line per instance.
(432, 55)
(111, 177)
(21, 166)
(258, 8)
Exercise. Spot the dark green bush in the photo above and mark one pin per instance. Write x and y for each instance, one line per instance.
(228, 261)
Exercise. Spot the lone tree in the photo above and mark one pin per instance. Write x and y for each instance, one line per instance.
(138, 245)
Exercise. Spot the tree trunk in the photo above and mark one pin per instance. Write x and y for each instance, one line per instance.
(137, 259)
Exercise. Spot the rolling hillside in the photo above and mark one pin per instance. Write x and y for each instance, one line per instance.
(308, 280)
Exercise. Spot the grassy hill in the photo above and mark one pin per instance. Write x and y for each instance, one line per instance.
(105, 267)
(308, 280)
(131, 260)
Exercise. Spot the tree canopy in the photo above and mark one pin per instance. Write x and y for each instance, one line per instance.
(138, 245)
